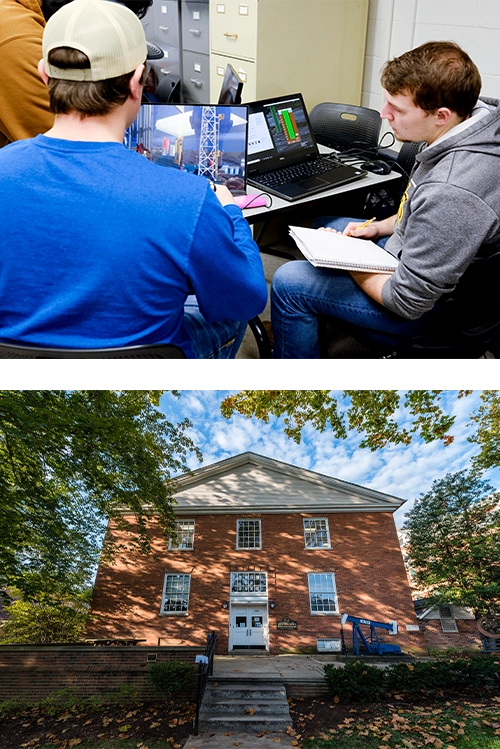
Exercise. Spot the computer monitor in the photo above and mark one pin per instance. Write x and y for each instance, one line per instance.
(204, 139)
(230, 92)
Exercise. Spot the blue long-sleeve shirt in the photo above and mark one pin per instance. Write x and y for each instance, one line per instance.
(99, 247)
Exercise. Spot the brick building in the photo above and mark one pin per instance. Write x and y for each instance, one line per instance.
(267, 554)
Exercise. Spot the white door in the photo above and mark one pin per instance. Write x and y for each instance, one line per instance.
(249, 628)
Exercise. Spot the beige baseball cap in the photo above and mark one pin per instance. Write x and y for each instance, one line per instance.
(109, 34)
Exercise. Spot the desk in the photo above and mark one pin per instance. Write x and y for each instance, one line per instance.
(280, 206)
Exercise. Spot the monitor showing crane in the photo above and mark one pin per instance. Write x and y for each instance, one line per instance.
(209, 140)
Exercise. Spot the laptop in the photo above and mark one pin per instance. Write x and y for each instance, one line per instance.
(232, 85)
(283, 156)
(209, 140)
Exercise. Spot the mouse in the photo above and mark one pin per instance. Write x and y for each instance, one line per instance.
(377, 167)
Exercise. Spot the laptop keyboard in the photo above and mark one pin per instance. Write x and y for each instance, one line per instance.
(297, 172)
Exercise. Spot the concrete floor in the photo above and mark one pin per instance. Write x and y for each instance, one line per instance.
(340, 345)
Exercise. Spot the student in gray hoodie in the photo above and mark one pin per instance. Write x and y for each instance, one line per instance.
(449, 214)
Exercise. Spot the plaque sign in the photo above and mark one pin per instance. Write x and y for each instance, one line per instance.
(286, 623)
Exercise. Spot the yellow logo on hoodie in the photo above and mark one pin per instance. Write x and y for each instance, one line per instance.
(402, 202)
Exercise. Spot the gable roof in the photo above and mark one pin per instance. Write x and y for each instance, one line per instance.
(254, 483)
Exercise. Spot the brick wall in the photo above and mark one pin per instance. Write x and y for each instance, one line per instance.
(466, 637)
(35, 671)
(365, 558)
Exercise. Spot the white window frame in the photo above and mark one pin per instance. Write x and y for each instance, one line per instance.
(182, 595)
(311, 532)
(248, 520)
(175, 546)
(324, 588)
(255, 582)
(448, 623)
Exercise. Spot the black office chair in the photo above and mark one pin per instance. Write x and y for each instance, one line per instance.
(168, 89)
(154, 351)
(468, 326)
(347, 128)
(261, 336)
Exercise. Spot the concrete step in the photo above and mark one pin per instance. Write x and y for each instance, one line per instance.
(230, 705)
(243, 704)
(247, 723)
(245, 692)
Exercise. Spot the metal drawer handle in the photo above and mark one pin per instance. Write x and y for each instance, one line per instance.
(198, 84)
(164, 28)
(196, 32)
(230, 36)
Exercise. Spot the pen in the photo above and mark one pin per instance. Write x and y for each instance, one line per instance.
(362, 226)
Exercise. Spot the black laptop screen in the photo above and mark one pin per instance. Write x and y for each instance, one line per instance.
(279, 133)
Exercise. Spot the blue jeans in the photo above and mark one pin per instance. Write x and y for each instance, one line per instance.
(300, 293)
(216, 340)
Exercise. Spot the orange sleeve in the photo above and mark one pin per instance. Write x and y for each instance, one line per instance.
(24, 101)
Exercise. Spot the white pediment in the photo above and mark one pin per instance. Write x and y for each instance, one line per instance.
(253, 483)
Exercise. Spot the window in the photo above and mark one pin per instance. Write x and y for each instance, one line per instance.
(329, 645)
(175, 594)
(316, 533)
(248, 534)
(448, 623)
(322, 593)
(248, 582)
(184, 535)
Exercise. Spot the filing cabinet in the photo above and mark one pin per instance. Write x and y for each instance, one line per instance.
(195, 29)
(161, 26)
(315, 47)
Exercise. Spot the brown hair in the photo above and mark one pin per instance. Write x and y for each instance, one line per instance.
(87, 98)
(436, 74)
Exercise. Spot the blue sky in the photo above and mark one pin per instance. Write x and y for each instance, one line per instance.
(402, 471)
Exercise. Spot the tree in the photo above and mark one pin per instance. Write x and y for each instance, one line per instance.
(487, 418)
(50, 620)
(369, 412)
(69, 462)
(454, 542)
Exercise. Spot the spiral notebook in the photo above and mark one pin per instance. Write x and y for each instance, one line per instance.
(329, 250)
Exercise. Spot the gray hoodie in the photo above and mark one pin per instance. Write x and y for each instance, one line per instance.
(452, 213)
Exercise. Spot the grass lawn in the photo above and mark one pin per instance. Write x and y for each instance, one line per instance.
(450, 726)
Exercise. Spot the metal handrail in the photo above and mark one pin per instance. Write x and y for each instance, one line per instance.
(205, 669)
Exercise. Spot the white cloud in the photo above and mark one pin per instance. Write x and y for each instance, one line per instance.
(402, 471)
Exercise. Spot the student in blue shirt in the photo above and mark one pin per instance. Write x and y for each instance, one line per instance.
(100, 247)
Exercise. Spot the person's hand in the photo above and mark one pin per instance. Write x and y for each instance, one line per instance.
(367, 232)
(224, 195)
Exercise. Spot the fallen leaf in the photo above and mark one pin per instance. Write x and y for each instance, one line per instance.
(250, 711)
(74, 742)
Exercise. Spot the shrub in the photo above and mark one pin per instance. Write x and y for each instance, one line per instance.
(355, 682)
(359, 682)
(172, 678)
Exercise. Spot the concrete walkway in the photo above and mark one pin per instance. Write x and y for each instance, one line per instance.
(242, 740)
(287, 667)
